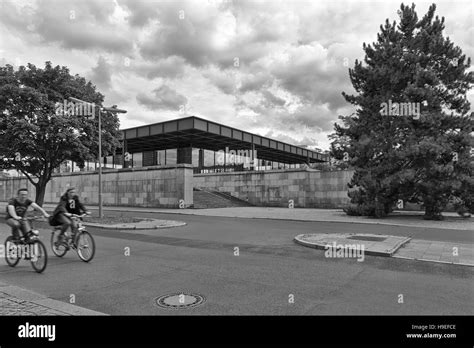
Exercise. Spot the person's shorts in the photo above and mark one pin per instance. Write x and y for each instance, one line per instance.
(52, 221)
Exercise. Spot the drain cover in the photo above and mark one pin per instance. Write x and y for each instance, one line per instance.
(180, 301)
(368, 238)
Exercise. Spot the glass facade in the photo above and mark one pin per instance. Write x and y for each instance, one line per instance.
(195, 157)
(171, 156)
(137, 159)
(160, 157)
(203, 161)
(209, 158)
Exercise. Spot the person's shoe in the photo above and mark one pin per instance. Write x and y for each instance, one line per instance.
(61, 240)
(28, 236)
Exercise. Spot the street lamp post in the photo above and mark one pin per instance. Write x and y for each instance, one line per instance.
(111, 109)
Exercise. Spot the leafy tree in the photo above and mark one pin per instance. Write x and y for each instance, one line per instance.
(34, 137)
(410, 138)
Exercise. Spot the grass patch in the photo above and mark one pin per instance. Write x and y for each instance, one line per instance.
(113, 220)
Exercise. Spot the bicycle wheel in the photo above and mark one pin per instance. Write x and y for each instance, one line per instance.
(12, 255)
(39, 256)
(59, 250)
(85, 246)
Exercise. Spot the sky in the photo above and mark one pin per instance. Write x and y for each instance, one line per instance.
(274, 68)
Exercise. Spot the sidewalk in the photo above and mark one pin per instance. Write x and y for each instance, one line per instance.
(397, 218)
(18, 301)
(442, 252)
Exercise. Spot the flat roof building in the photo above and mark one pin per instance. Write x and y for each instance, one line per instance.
(209, 147)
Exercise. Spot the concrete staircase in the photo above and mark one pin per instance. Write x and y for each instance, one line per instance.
(207, 199)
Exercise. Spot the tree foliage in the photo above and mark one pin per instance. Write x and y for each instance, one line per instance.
(420, 151)
(34, 138)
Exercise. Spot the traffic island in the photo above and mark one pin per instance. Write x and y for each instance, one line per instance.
(357, 245)
(139, 224)
(368, 244)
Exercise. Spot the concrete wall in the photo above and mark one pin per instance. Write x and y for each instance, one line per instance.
(164, 186)
(309, 189)
(161, 186)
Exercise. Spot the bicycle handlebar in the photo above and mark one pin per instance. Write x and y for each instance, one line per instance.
(79, 216)
(33, 218)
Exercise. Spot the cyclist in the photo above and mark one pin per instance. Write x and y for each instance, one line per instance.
(16, 210)
(69, 204)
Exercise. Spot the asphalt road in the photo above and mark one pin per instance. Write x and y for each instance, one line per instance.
(200, 258)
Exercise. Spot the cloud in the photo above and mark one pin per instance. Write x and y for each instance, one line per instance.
(224, 80)
(272, 100)
(163, 98)
(293, 56)
(139, 12)
(170, 67)
(310, 73)
(304, 142)
(255, 81)
(101, 74)
(78, 25)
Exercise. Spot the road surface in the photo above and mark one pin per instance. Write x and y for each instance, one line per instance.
(267, 274)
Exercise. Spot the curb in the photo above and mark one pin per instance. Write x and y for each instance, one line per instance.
(302, 220)
(132, 227)
(383, 254)
(434, 261)
(44, 301)
(366, 252)
(144, 210)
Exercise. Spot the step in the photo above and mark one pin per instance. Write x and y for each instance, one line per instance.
(211, 199)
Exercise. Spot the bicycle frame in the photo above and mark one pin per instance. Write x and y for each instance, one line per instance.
(34, 234)
(73, 241)
(27, 248)
(79, 224)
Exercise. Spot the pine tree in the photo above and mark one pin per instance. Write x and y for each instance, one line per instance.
(410, 139)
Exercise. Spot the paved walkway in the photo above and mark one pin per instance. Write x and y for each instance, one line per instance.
(398, 218)
(18, 301)
(444, 252)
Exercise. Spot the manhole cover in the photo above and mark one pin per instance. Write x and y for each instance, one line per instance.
(180, 301)
(368, 238)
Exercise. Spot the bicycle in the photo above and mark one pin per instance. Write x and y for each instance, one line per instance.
(79, 240)
(28, 247)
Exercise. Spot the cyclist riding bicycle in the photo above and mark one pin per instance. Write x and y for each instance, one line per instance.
(16, 210)
(69, 205)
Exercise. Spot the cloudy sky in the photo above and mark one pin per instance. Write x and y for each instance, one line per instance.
(276, 68)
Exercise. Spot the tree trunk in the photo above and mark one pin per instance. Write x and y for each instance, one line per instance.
(379, 207)
(433, 209)
(41, 190)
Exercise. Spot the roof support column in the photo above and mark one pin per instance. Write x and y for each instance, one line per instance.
(201, 159)
(124, 151)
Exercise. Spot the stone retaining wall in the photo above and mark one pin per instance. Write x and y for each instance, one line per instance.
(159, 186)
(308, 189)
